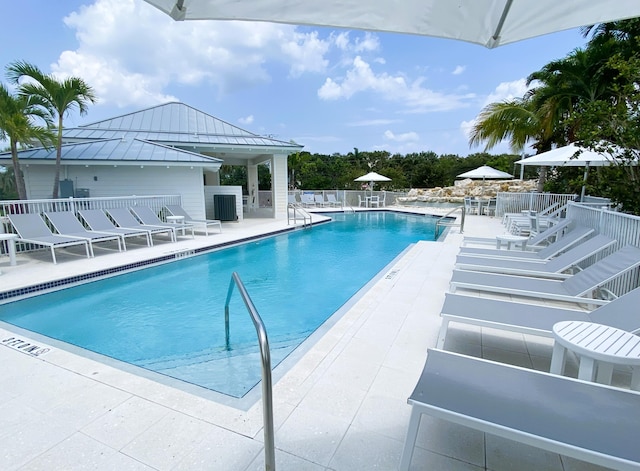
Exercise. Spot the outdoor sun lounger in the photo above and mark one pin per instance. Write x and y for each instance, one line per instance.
(177, 210)
(148, 217)
(319, 200)
(32, 229)
(97, 220)
(126, 220)
(583, 420)
(553, 267)
(573, 289)
(534, 242)
(533, 319)
(66, 223)
(332, 201)
(307, 199)
(571, 238)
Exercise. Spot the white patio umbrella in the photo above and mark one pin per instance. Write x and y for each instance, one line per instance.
(485, 172)
(372, 177)
(565, 156)
(490, 23)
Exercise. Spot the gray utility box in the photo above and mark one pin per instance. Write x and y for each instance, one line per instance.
(82, 193)
(224, 207)
(66, 188)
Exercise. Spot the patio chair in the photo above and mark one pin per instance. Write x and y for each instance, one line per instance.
(573, 289)
(32, 229)
(331, 199)
(552, 268)
(177, 210)
(567, 241)
(533, 319)
(362, 201)
(587, 421)
(319, 200)
(97, 220)
(66, 223)
(307, 199)
(126, 220)
(148, 217)
(534, 243)
(374, 201)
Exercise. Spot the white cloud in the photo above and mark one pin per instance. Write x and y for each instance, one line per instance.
(507, 91)
(465, 128)
(459, 69)
(372, 122)
(246, 120)
(130, 52)
(395, 88)
(404, 137)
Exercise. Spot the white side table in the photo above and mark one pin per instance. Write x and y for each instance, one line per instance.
(176, 220)
(10, 240)
(593, 343)
(511, 240)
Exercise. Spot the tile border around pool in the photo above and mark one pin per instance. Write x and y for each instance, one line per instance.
(20, 293)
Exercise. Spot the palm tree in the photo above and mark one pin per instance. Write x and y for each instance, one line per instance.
(17, 124)
(57, 97)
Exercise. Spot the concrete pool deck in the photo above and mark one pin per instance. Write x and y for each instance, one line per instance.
(341, 407)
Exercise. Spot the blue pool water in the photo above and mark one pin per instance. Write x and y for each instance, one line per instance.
(170, 318)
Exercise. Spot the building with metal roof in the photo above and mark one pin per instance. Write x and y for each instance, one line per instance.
(170, 148)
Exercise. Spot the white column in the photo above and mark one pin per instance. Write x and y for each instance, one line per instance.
(279, 185)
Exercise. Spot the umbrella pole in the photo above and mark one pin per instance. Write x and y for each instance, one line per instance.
(584, 181)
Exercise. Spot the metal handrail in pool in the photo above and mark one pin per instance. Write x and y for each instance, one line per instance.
(441, 221)
(267, 386)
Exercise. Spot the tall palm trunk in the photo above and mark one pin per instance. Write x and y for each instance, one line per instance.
(56, 177)
(17, 172)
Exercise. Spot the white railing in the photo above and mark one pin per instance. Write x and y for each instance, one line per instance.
(349, 198)
(624, 228)
(517, 202)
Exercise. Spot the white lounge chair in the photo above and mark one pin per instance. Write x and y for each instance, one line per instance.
(148, 217)
(126, 220)
(32, 229)
(574, 289)
(552, 268)
(97, 220)
(66, 223)
(534, 243)
(533, 319)
(332, 201)
(307, 199)
(176, 210)
(565, 242)
(587, 421)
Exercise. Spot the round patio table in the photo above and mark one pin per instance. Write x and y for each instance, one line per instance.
(510, 240)
(597, 347)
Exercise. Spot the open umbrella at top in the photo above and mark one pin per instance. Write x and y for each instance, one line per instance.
(571, 156)
(489, 23)
(372, 177)
(485, 172)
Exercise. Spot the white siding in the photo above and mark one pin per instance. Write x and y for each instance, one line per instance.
(209, 191)
(124, 181)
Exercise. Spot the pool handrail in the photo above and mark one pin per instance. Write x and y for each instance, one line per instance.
(267, 385)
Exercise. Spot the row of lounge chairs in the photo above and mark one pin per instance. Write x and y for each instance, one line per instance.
(583, 420)
(91, 226)
(309, 200)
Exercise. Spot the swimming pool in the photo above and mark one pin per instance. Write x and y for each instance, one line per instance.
(170, 318)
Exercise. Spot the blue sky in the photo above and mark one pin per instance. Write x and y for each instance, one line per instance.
(328, 89)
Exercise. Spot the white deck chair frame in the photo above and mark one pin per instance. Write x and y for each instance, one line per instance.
(533, 319)
(528, 406)
(126, 220)
(574, 289)
(97, 220)
(148, 217)
(553, 268)
(573, 237)
(32, 229)
(66, 223)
